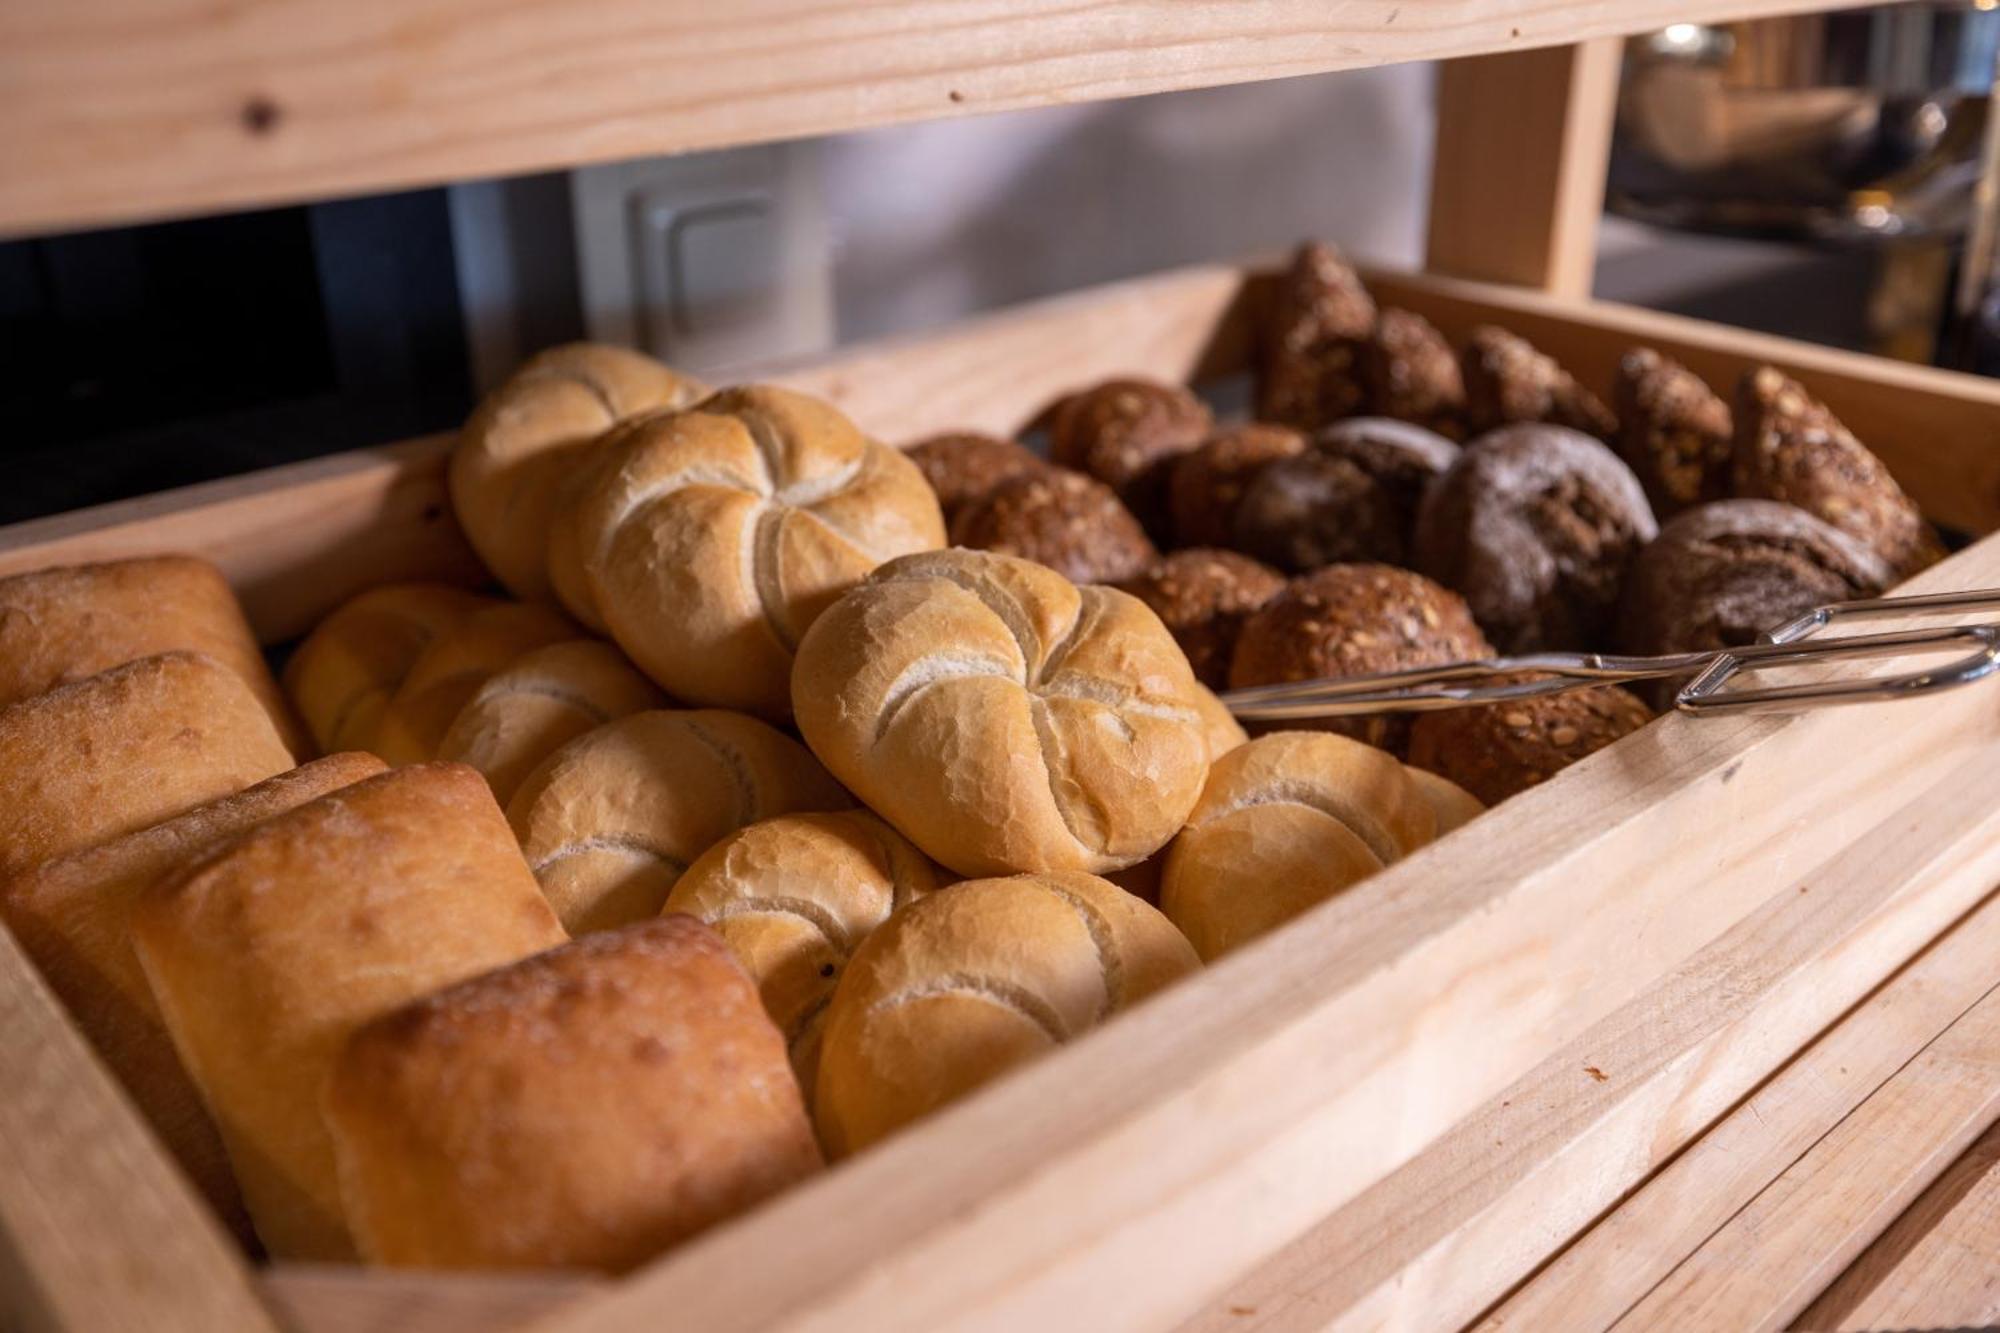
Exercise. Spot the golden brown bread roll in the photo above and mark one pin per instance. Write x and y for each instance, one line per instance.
(973, 980)
(1219, 726)
(266, 954)
(345, 672)
(609, 821)
(73, 917)
(547, 698)
(1285, 822)
(794, 897)
(126, 748)
(713, 537)
(60, 625)
(444, 678)
(586, 1108)
(1002, 718)
(1452, 805)
(528, 433)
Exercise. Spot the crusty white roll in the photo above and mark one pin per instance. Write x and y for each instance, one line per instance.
(795, 896)
(442, 681)
(266, 954)
(973, 980)
(1219, 726)
(73, 917)
(609, 821)
(711, 538)
(586, 1108)
(1002, 718)
(1285, 822)
(545, 699)
(60, 625)
(539, 424)
(343, 675)
(1453, 806)
(112, 753)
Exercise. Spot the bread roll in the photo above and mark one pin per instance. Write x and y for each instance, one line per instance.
(1074, 524)
(444, 678)
(73, 917)
(1286, 822)
(536, 426)
(1219, 726)
(1202, 596)
(1452, 805)
(1500, 750)
(345, 672)
(1208, 482)
(714, 536)
(60, 625)
(974, 980)
(586, 1108)
(961, 466)
(1509, 380)
(545, 699)
(794, 897)
(1127, 434)
(266, 954)
(126, 748)
(1002, 718)
(1309, 344)
(1673, 432)
(609, 821)
(1412, 374)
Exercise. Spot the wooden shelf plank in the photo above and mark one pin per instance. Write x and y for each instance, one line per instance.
(132, 109)
(315, 1298)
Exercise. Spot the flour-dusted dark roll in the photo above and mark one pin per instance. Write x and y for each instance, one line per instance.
(1309, 345)
(1412, 374)
(1202, 596)
(1536, 525)
(1673, 432)
(1074, 524)
(1508, 379)
(1207, 483)
(1316, 509)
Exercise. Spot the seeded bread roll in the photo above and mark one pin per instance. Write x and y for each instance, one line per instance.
(73, 917)
(964, 465)
(1402, 458)
(1065, 520)
(528, 433)
(612, 819)
(1309, 346)
(1499, 750)
(1789, 447)
(450, 671)
(1355, 620)
(346, 671)
(1536, 526)
(1317, 509)
(545, 699)
(1508, 380)
(975, 980)
(60, 625)
(794, 897)
(266, 954)
(128, 747)
(1412, 374)
(1003, 718)
(1128, 433)
(1206, 484)
(714, 536)
(1673, 432)
(1284, 823)
(588, 1107)
(1202, 596)
(1452, 805)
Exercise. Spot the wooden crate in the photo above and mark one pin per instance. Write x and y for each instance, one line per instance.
(1391, 1111)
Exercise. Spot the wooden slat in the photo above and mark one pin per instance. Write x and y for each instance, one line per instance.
(1517, 179)
(1626, 1254)
(129, 109)
(1937, 1267)
(1440, 1240)
(98, 1230)
(1934, 428)
(325, 1299)
(1763, 1268)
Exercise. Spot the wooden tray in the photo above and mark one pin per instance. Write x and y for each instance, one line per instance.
(1393, 1110)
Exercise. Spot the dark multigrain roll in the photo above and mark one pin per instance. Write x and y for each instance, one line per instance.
(1202, 596)
(1507, 379)
(964, 465)
(1412, 374)
(1499, 750)
(1721, 574)
(1073, 524)
(1317, 509)
(1403, 458)
(1353, 620)
(1536, 525)
(1673, 431)
(1790, 447)
(1309, 347)
(1206, 483)
(1127, 434)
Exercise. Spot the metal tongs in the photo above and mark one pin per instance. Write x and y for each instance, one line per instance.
(1426, 689)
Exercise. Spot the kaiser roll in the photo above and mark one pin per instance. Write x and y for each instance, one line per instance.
(343, 675)
(450, 671)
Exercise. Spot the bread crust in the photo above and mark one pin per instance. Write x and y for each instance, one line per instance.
(961, 466)
(1074, 524)
(1673, 432)
(1309, 345)
(1501, 750)
(1207, 483)
(1202, 596)
(342, 676)
(450, 671)
(1509, 380)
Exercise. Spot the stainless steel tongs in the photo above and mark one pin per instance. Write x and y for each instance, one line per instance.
(1424, 689)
